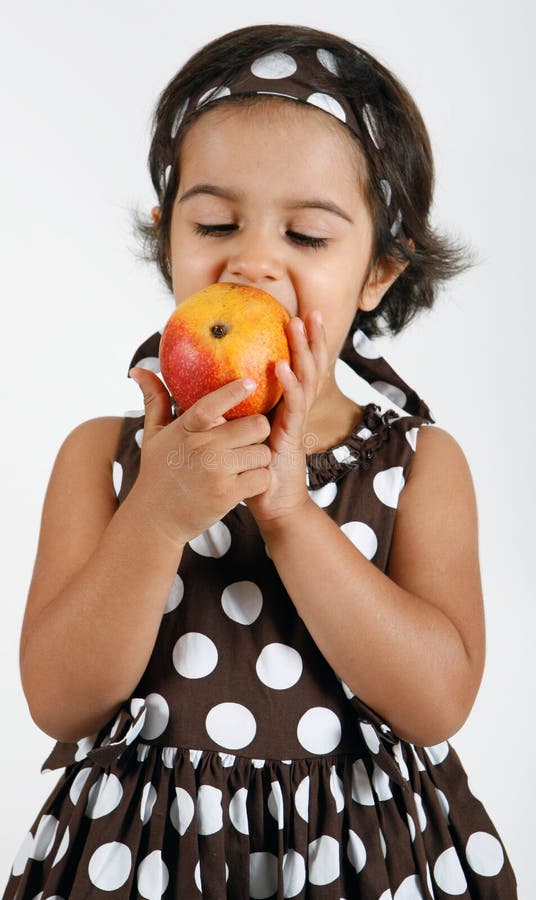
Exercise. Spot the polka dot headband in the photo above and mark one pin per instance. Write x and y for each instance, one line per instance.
(294, 76)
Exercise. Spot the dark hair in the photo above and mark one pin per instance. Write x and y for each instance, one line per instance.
(405, 160)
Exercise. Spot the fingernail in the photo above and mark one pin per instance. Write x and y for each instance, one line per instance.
(249, 384)
(132, 376)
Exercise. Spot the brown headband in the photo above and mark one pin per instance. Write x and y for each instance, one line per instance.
(297, 77)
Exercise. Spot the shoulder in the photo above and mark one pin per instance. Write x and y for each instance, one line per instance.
(100, 435)
(438, 457)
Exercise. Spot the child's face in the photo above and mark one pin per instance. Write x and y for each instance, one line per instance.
(257, 177)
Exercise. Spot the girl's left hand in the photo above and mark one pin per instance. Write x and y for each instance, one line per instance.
(302, 384)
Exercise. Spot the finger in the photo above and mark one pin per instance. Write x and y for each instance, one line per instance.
(156, 400)
(319, 346)
(294, 407)
(209, 411)
(243, 431)
(303, 361)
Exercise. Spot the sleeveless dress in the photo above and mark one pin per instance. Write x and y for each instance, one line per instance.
(242, 766)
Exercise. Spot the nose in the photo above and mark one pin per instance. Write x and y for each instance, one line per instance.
(254, 259)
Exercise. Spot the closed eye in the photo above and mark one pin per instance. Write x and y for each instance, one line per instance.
(303, 240)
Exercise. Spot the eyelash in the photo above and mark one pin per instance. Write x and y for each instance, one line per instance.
(303, 240)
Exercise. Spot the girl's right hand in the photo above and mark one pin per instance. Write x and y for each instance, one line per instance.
(197, 467)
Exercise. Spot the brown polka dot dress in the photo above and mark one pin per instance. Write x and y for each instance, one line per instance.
(242, 766)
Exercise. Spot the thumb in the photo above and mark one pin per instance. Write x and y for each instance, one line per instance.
(156, 400)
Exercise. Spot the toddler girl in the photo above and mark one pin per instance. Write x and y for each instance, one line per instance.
(252, 638)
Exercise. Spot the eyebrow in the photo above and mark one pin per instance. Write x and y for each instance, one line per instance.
(309, 203)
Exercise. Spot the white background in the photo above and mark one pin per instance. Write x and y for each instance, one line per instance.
(78, 85)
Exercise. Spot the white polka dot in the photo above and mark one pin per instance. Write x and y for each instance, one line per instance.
(448, 873)
(388, 485)
(238, 811)
(195, 757)
(77, 785)
(372, 126)
(328, 104)
(181, 811)
(262, 875)
(387, 191)
(347, 692)
(62, 849)
(117, 476)
(362, 537)
(169, 755)
(137, 725)
(148, 800)
(364, 346)
(215, 93)
(319, 730)
(209, 809)
(420, 811)
(429, 880)
(420, 765)
(214, 542)
(328, 60)
(231, 725)
(195, 655)
(371, 738)
(301, 798)
(411, 826)
(383, 845)
(438, 752)
(179, 116)
(151, 363)
(278, 666)
(361, 787)
(410, 889)
(175, 595)
(391, 392)
(325, 495)
(242, 602)
(142, 752)
(104, 796)
(109, 866)
(152, 876)
(323, 860)
(364, 433)
(293, 873)
(411, 437)
(399, 757)
(484, 854)
(138, 437)
(387, 895)
(337, 789)
(342, 454)
(444, 803)
(84, 745)
(275, 804)
(274, 65)
(380, 783)
(197, 876)
(356, 851)
(44, 837)
(157, 716)
(23, 855)
(39, 895)
(258, 763)
(227, 759)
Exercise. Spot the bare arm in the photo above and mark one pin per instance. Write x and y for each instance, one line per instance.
(409, 643)
(87, 636)
(102, 574)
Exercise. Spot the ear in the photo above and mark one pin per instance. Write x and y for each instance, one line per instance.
(379, 281)
(156, 214)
